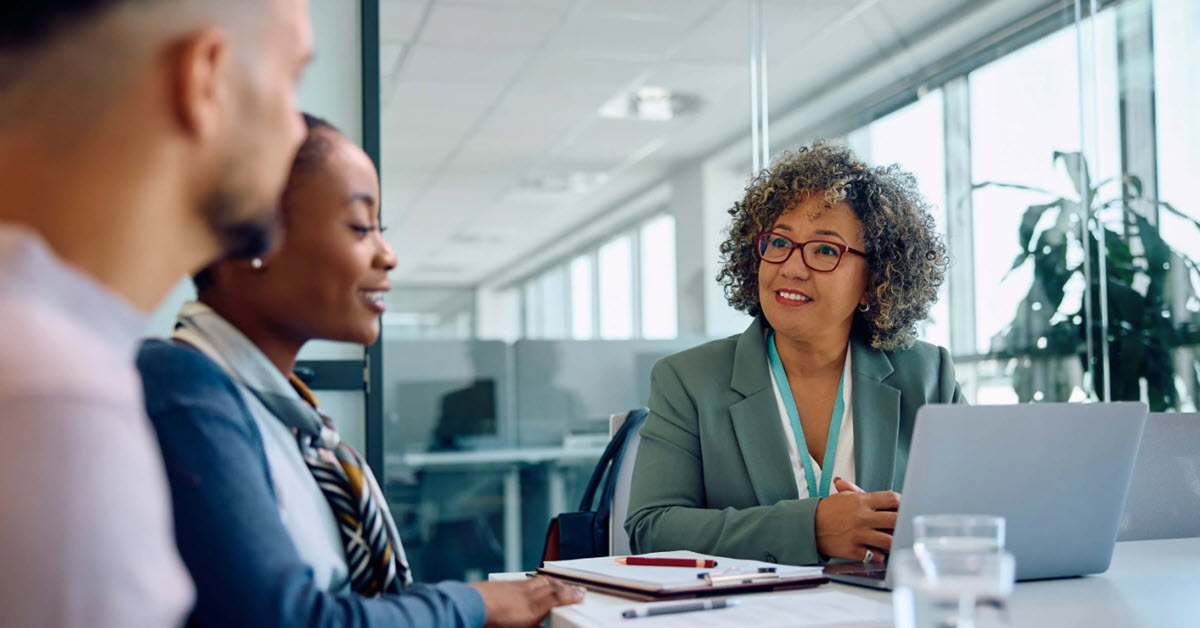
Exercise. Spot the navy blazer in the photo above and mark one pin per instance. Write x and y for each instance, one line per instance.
(227, 525)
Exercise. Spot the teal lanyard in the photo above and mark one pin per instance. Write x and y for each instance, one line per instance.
(835, 423)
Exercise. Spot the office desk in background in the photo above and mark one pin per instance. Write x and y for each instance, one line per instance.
(509, 462)
(1150, 583)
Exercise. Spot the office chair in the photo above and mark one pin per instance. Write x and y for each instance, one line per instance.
(618, 539)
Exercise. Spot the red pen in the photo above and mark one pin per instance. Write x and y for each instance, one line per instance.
(668, 562)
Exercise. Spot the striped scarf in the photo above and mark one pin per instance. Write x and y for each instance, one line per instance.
(374, 554)
(346, 481)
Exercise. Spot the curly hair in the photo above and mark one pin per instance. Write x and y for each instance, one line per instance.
(906, 258)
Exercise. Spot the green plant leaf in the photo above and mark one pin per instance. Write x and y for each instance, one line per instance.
(1021, 257)
(1077, 168)
(1050, 270)
(1119, 254)
(1010, 186)
(1134, 182)
(1131, 185)
(1030, 219)
(1158, 253)
(1171, 208)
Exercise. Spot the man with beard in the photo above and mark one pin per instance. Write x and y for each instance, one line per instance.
(139, 141)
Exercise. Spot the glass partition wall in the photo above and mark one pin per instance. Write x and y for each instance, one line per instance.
(557, 176)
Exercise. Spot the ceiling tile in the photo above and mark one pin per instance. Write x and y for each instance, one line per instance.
(596, 69)
(449, 93)
(547, 5)
(405, 156)
(489, 156)
(434, 63)
(426, 123)
(679, 11)
(619, 37)
(707, 80)
(613, 141)
(723, 38)
(485, 28)
(399, 19)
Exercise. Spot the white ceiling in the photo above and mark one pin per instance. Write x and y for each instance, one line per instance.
(481, 97)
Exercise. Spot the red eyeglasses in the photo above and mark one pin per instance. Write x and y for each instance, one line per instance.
(820, 255)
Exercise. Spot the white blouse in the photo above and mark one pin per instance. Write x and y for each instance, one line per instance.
(302, 506)
(843, 464)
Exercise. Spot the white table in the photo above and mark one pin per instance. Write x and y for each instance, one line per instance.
(1150, 583)
(509, 462)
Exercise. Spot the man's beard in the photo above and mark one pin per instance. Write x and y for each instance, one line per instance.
(240, 234)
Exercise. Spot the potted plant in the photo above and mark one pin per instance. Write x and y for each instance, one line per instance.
(1089, 251)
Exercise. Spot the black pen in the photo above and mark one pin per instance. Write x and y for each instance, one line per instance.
(684, 607)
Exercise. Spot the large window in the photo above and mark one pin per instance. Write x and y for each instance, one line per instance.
(913, 138)
(607, 293)
(1176, 69)
(616, 289)
(583, 298)
(1177, 128)
(657, 267)
(1024, 108)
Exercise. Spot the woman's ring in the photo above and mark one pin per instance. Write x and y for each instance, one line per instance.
(869, 556)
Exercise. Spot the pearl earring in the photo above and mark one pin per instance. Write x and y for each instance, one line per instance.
(256, 263)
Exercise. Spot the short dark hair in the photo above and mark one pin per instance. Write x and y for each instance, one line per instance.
(316, 145)
(27, 22)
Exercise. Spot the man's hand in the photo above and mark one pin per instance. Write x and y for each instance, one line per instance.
(522, 603)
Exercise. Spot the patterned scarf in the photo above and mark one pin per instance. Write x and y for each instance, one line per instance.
(374, 554)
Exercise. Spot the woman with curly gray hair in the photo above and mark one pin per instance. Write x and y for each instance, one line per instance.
(837, 262)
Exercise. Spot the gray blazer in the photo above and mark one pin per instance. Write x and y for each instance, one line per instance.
(712, 473)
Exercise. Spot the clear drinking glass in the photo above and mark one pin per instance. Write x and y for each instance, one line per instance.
(958, 533)
(940, 588)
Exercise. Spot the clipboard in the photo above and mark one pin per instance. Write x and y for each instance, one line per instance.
(729, 577)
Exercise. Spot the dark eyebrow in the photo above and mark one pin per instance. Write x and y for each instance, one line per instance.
(832, 233)
(361, 197)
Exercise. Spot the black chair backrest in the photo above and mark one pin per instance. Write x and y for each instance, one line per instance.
(584, 534)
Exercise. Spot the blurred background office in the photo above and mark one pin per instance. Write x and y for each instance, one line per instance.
(556, 175)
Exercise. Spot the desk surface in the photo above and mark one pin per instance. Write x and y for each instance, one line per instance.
(1150, 583)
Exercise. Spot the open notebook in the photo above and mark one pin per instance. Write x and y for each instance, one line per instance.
(637, 582)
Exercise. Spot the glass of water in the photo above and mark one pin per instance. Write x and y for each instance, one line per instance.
(958, 533)
(951, 588)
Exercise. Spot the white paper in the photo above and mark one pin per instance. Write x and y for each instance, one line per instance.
(800, 609)
(607, 569)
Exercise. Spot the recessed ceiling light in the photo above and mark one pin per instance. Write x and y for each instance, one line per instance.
(649, 102)
(653, 93)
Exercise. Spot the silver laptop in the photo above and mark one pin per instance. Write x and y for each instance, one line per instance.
(1058, 473)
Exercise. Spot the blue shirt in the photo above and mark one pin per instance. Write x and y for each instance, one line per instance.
(245, 564)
